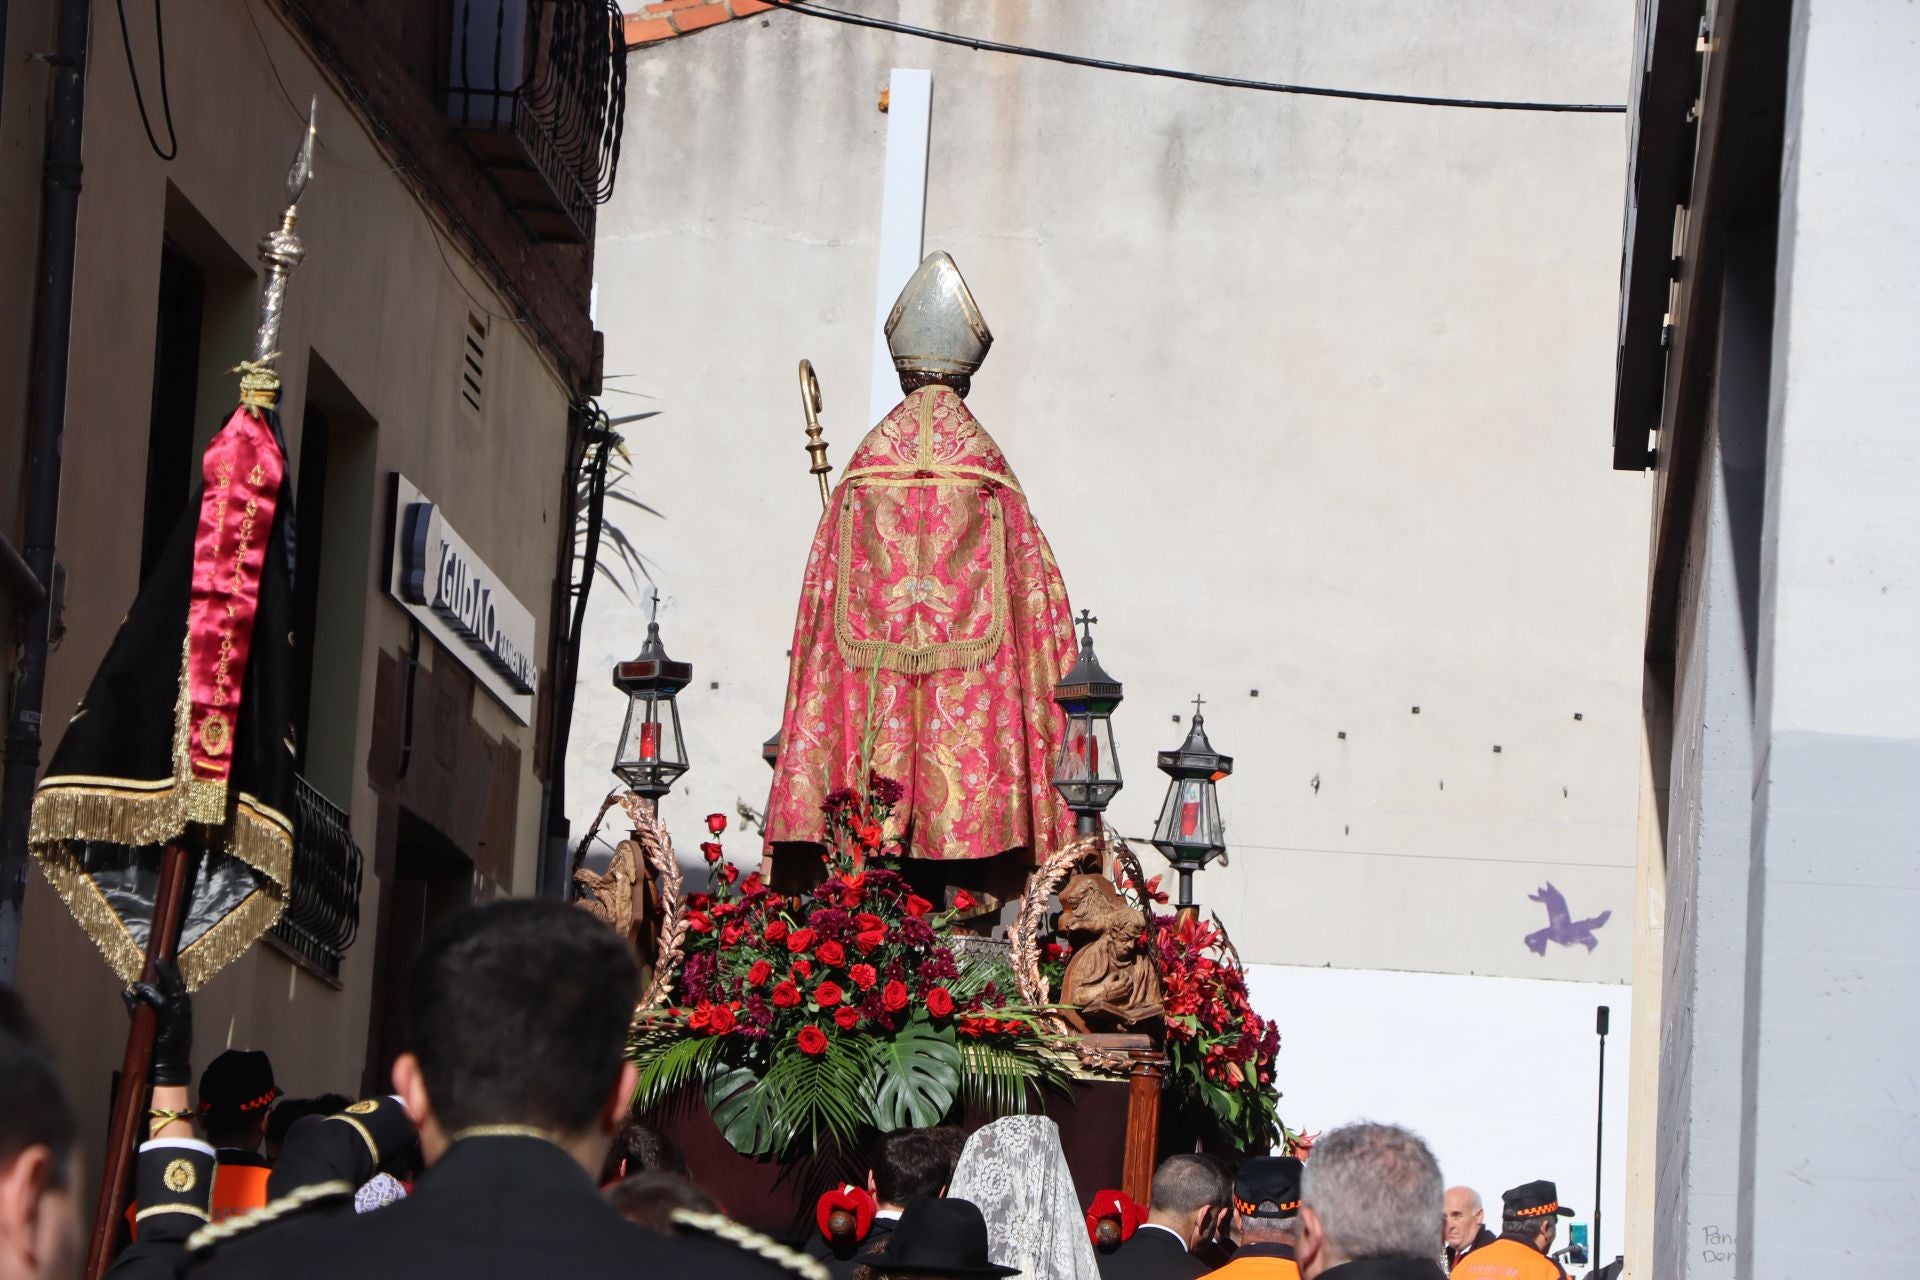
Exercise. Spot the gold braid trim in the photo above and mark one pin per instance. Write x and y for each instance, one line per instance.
(747, 1239)
(300, 1197)
(259, 383)
(965, 655)
(665, 867)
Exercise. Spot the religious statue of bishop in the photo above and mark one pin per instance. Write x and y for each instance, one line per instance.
(930, 591)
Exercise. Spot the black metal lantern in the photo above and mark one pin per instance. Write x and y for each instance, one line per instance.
(770, 750)
(652, 754)
(1088, 773)
(1190, 833)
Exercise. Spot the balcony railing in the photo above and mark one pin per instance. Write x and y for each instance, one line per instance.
(323, 906)
(537, 88)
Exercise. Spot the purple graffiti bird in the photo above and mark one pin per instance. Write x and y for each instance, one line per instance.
(1561, 927)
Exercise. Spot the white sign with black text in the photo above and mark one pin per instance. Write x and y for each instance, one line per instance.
(453, 594)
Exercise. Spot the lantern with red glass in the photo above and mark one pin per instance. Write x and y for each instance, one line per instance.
(1088, 773)
(1190, 833)
(652, 754)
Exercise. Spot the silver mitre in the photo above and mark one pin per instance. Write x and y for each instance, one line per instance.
(936, 327)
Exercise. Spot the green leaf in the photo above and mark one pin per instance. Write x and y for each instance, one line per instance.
(745, 1110)
(916, 1073)
(668, 1060)
(821, 1096)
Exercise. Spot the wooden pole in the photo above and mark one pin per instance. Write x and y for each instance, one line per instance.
(130, 1099)
(1143, 1124)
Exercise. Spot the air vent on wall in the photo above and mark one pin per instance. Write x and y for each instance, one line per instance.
(473, 363)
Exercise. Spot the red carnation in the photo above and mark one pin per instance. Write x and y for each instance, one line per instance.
(720, 1021)
(758, 975)
(812, 1040)
(863, 976)
(830, 953)
(917, 906)
(799, 940)
(939, 1002)
(893, 996)
(699, 922)
(716, 822)
(776, 930)
(711, 850)
(786, 995)
(847, 1016)
(963, 901)
(829, 994)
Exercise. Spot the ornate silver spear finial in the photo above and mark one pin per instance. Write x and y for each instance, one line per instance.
(280, 252)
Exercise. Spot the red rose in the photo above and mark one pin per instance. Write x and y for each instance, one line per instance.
(701, 1015)
(963, 901)
(720, 1021)
(699, 922)
(863, 976)
(729, 873)
(869, 932)
(870, 835)
(917, 906)
(847, 1016)
(803, 967)
(830, 953)
(799, 940)
(730, 934)
(711, 850)
(829, 994)
(786, 996)
(893, 996)
(776, 930)
(939, 1002)
(812, 1040)
(758, 975)
(716, 822)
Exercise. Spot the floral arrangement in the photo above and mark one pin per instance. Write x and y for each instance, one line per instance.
(1221, 1051)
(827, 1014)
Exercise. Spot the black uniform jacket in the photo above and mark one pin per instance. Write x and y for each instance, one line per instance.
(1152, 1253)
(841, 1264)
(492, 1207)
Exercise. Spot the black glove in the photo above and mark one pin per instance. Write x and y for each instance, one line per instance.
(173, 1037)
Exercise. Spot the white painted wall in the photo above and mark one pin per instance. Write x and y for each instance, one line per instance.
(1497, 1074)
(1311, 397)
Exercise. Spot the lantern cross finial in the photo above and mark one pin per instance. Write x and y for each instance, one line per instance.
(1197, 701)
(1086, 626)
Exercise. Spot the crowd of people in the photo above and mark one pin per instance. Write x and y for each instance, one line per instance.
(505, 1150)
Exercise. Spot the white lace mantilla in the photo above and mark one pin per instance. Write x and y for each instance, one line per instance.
(1015, 1171)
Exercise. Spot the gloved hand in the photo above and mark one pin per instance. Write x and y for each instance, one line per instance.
(173, 1038)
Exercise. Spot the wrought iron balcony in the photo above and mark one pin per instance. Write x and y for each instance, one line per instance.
(537, 88)
(323, 905)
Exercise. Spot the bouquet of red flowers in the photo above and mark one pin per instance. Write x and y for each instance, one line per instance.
(837, 1010)
(1221, 1050)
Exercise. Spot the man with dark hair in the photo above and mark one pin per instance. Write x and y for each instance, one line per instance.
(640, 1147)
(40, 1213)
(907, 1163)
(1266, 1220)
(515, 1076)
(289, 1111)
(1190, 1192)
(1529, 1218)
(1369, 1202)
(236, 1096)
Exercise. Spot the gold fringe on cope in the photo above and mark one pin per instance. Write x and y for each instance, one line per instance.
(916, 660)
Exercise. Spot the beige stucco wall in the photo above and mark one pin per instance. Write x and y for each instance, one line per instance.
(386, 309)
(1310, 397)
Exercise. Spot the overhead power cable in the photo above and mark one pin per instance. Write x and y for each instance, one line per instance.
(812, 10)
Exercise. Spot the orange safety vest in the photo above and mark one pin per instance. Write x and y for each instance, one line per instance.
(238, 1189)
(1245, 1266)
(1504, 1259)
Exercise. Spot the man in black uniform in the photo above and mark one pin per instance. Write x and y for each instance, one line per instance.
(1189, 1195)
(516, 1079)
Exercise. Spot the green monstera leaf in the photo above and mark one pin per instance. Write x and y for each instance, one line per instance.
(916, 1073)
(745, 1109)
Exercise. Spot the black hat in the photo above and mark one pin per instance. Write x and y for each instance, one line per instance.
(1268, 1187)
(238, 1081)
(1537, 1199)
(945, 1237)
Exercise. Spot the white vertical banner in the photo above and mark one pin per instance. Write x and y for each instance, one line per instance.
(903, 217)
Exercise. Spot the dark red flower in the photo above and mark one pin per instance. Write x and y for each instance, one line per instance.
(799, 940)
(939, 1002)
(829, 994)
(893, 996)
(917, 906)
(758, 975)
(786, 996)
(963, 901)
(776, 930)
(847, 1016)
(863, 976)
(830, 953)
(711, 849)
(812, 1040)
(716, 822)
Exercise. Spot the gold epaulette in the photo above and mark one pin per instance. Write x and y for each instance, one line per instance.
(300, 1198)
(722, 1227)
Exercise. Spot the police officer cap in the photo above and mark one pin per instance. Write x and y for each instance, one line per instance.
(1268, 1187)
(1536, 1199)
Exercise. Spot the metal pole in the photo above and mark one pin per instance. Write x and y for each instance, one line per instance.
(1599, 1130)
(46, 422)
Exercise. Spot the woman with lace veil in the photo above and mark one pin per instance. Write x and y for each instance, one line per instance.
(1016, 1172)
